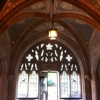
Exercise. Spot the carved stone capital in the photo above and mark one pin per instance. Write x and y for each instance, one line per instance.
(88, 77)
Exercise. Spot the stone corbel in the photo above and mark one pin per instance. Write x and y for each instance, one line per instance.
(88, 77)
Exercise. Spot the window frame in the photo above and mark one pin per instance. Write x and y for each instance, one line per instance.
(64, 47)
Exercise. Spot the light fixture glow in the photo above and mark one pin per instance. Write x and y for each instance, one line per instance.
(52, 34)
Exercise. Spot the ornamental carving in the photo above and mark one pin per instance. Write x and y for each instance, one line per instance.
(39, 28)
(80, 22)
(66, 6)
(60, 28)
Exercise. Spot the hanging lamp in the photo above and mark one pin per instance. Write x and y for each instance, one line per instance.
(52, 31)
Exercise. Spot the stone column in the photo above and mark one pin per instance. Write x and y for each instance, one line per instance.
(97, 85)
(93, 84)
(11, 87)
(3, 87)
(88, 87)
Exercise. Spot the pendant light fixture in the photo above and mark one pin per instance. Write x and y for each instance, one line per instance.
(52, 31)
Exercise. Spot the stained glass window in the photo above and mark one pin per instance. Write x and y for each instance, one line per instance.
(65, 89)
(22, 84)
(33, 85)
(70, 79)
(49, 53)
(75, 85)
(28, 80)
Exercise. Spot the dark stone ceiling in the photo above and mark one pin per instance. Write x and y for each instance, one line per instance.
(83, 29)
(17, 29)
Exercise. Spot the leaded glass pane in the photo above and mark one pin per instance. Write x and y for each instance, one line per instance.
(75, 85)
(42, 52)
(22, 84)
(68, 58)
(29, 57)
(36, 55)
(33, 85)
(21, 68)
(49, 46)
(61, 55)
(26, 67)
(36, 68)
(61, 67)
(65, 87)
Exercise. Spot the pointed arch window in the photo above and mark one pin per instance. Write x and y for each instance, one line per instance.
(70, 78)
(28, 80)
(49, 53)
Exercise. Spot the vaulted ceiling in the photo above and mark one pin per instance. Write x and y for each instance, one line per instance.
(77, 19)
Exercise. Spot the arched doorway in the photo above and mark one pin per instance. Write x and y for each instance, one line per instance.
(49, 85)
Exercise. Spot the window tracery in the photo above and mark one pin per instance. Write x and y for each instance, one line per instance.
(48, 52)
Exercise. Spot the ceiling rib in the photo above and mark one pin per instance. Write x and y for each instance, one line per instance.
(23, 35)
(76, 36)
